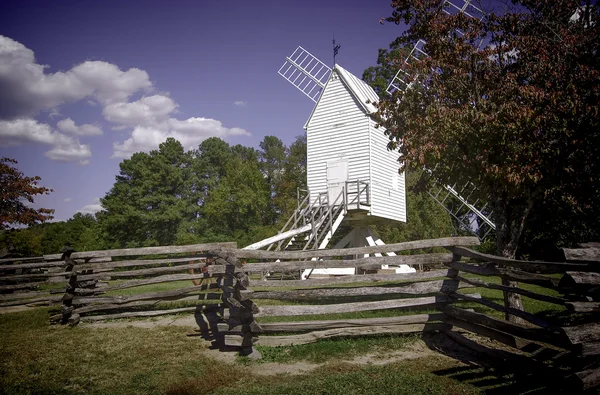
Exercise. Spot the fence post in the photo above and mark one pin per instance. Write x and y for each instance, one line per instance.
(240, 329)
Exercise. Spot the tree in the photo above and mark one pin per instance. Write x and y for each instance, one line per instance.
(517, 116)
(15, 189)
(153, 197)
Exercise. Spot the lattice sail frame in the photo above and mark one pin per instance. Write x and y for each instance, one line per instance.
(475, 220)
(307, 73)
(401, 81)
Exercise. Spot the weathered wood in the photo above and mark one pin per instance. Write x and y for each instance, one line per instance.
(509, 340)
(518, 313)
(587, 349)
(136, 283)
(24, 295)
(74, 319)
(585, 333)
(145, 251)
(145, 296)
(411, 245)
(533, 295)
(145, 313)
(536, 334)
(592, 244)
(511, 275)
(590, 254)
(303, 326)
(583, 307)
(141, 303)
(587, 379)
(33, 258)
(580, 279)
(313, 337)
(527, 266)
(365, 263)
(46, 265)
(359, 278)
(421, 288)
(43, 299)
(139, 262)
(266, 311)
(142, 272)
(14, 287)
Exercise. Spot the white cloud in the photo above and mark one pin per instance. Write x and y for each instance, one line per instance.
(91, 208)
(27, 88)
(68, 200)
(64, 148)
(68, 126)
(189, 133)
(147, 111)
(240, 103)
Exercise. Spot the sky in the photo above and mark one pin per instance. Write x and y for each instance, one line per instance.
(84, 84)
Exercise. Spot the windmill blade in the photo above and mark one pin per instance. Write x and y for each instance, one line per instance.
(455, 7)
(469, 212)
(307, 73)
(402, 81)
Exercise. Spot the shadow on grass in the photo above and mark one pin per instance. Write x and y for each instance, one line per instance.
(496, 371)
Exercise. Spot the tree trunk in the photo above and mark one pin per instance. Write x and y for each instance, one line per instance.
(510, 216)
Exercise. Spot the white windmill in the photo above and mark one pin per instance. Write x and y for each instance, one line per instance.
(456, 199)
(352, 177)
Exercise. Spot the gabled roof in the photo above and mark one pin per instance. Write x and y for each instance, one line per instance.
(362, 92)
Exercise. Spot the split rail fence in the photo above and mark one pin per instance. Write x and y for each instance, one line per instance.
(251, 311)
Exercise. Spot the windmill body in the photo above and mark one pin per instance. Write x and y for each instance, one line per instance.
(347, 152)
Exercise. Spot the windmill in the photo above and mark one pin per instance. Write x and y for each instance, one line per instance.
(457, 200)
(352, 178)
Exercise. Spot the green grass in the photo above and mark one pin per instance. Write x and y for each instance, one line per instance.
(38, 359)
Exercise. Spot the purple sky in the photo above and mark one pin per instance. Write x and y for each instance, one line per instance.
(84, 84)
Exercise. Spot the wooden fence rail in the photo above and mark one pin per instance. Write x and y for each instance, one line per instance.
(223, 281)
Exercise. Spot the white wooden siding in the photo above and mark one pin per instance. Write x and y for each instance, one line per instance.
(337, 129)
(387, 201)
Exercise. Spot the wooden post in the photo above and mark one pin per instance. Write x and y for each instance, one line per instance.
(240, 330)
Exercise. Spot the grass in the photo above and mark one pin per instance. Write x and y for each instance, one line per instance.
(38, 359)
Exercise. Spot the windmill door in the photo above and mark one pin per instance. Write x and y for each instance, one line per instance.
(337, 175)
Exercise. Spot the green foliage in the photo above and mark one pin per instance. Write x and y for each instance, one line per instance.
(426, 219)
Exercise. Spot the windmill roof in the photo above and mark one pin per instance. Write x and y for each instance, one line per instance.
(361, 91)
(365, 95)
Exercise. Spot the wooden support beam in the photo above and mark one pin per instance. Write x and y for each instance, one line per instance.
(313, 337)
(420, 288)
(411, 245)
(266, 311)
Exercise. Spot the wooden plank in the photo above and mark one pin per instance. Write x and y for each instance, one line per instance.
(266, 311)
(14, 287)
(580, 279)
(359, 278)
(142, 272)
(590, 254)
(592, 348)
(533, 295)
(303, 326)
(33, 258)
(585, 333)
(509, 340)
(24, 295)
(583, 307)
(512, 275)
(145, 251)
(20, 302)
(313, 337)
(138, 262)
(143, 313)
(522, 314)
(411, 245)
(592, 244)
(44, 265)
(536, 334)
(527, 266)
(587, 379)
(119, 306)
(78, 300)
(137, 283)
(365, 263)
(420, 288)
